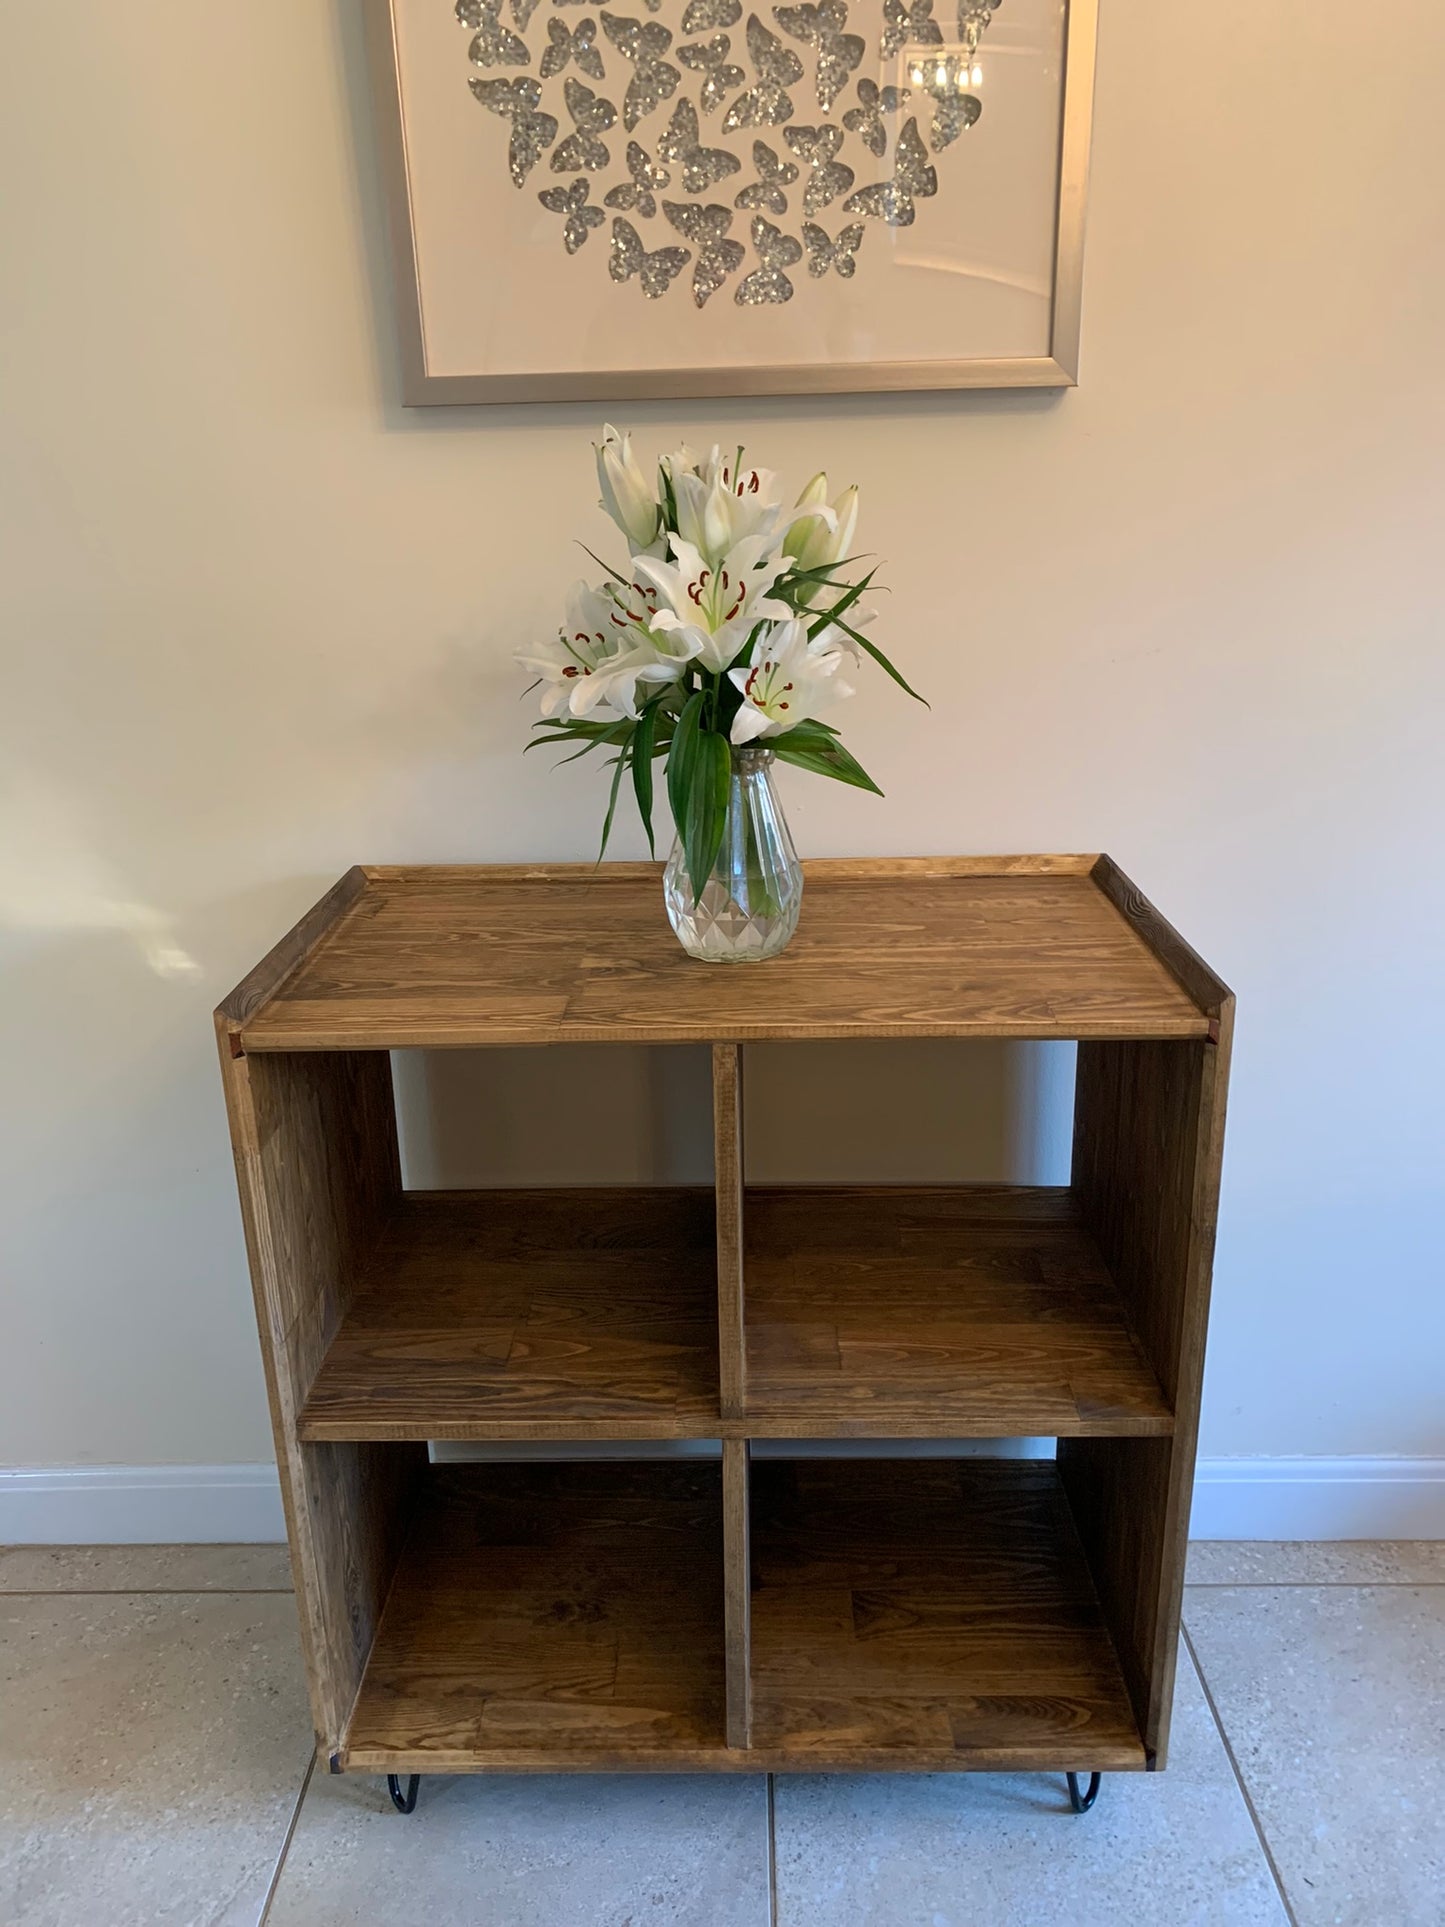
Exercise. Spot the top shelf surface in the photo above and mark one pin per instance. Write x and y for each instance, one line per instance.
(442, 956)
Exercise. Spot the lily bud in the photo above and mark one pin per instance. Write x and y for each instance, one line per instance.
(627, 494)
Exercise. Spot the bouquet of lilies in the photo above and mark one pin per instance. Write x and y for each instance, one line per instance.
(732, 622)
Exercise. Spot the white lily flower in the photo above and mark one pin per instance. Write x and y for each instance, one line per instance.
(605, 649)
(821, 533)
(791, 676)
(714, 516)
(710, 608)
(627, 495)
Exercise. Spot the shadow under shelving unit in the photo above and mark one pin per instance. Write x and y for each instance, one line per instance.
(733, 1613)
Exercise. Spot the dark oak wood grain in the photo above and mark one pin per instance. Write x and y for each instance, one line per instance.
(316, 1164)
(529, 1315)
(936, 1312)
(563, 1613)
(727, 1124)
(737, 1588)
(938, 1612)
(1001, 947)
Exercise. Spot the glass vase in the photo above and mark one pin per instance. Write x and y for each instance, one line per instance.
(749, 905)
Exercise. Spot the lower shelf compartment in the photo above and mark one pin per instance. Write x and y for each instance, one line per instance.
(928, 1614)
(913, 1615)
(550, 1616)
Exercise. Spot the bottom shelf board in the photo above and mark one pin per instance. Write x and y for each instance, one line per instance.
(937, 1609)
(906, 1615)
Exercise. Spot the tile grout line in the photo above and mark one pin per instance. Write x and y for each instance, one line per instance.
(1234, 1766)
(265, 1913)
(1306, 1585)
(146, 1592)
(772, 1855)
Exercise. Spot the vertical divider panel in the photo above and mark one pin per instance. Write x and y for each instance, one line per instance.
(727, 1130)
(737, 1590)
(314, 1137)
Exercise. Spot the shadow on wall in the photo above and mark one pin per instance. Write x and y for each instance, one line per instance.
(882, 1112)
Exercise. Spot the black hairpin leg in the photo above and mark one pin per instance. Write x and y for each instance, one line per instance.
(1081, 1802)
(403, 1802)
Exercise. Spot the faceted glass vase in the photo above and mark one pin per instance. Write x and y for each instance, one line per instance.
(749, 905)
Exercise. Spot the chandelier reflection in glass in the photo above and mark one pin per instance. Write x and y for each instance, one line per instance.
(948, 73)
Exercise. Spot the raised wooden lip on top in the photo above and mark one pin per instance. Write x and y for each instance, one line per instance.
(814, 990)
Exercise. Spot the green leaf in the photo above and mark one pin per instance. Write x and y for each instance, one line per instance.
(707, 806)
(823, 756)
(669, 497)
(825, 616)
(642, 753)
(679, 756)
(617, 775)
(605, 565)
(883, 663)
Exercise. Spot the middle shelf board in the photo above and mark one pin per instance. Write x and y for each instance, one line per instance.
(871, 1312)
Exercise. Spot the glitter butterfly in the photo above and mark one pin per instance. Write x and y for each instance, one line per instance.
(892, 200)
(717, 256)
(522, 11)
(866, 119)
(657, 271)
(711, 57)
(909, 23)
(493, 44)
(532, 132)
(703, 15)
(648, 176)
(654, 79)
(953, 115)
(838, 255)
(593, 116)
(579, 45)
(773, 176)
(572, 201)
(839, 53)
(775, 251)
(830, 177)
(777, 67)
(701, 166)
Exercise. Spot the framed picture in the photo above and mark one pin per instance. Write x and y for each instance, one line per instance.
(726, 197)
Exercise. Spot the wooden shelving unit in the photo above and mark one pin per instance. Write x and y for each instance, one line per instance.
(730, 1611)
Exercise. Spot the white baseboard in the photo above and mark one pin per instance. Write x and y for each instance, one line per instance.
(241, 1504)
(1319, 1499)
(140, 1505)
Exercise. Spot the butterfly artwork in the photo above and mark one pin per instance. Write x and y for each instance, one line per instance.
(908, 23)
(776, 251)
(717, 256)
(493, 45)
(710, 58)
(578, 45)
(591, 116)
(840, 255)
(830, 177)
(914, 178)
(656, 271)
(953, 115)
(573, 202)
(654, 79)
(522, 11)
(768, 103)
(702, 167)
(866, 119)
(533, 131)
(774, 176)
(648, 178)
(821, 22)
(703, 16)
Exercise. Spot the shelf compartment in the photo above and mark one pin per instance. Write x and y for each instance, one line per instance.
(529, 1315)
(550, 1616)
(937, 1312)
(928, 1615)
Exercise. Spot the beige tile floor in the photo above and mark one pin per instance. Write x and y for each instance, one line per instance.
(155, 1768)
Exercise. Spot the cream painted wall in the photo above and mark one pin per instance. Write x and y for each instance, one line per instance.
(257, 624)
